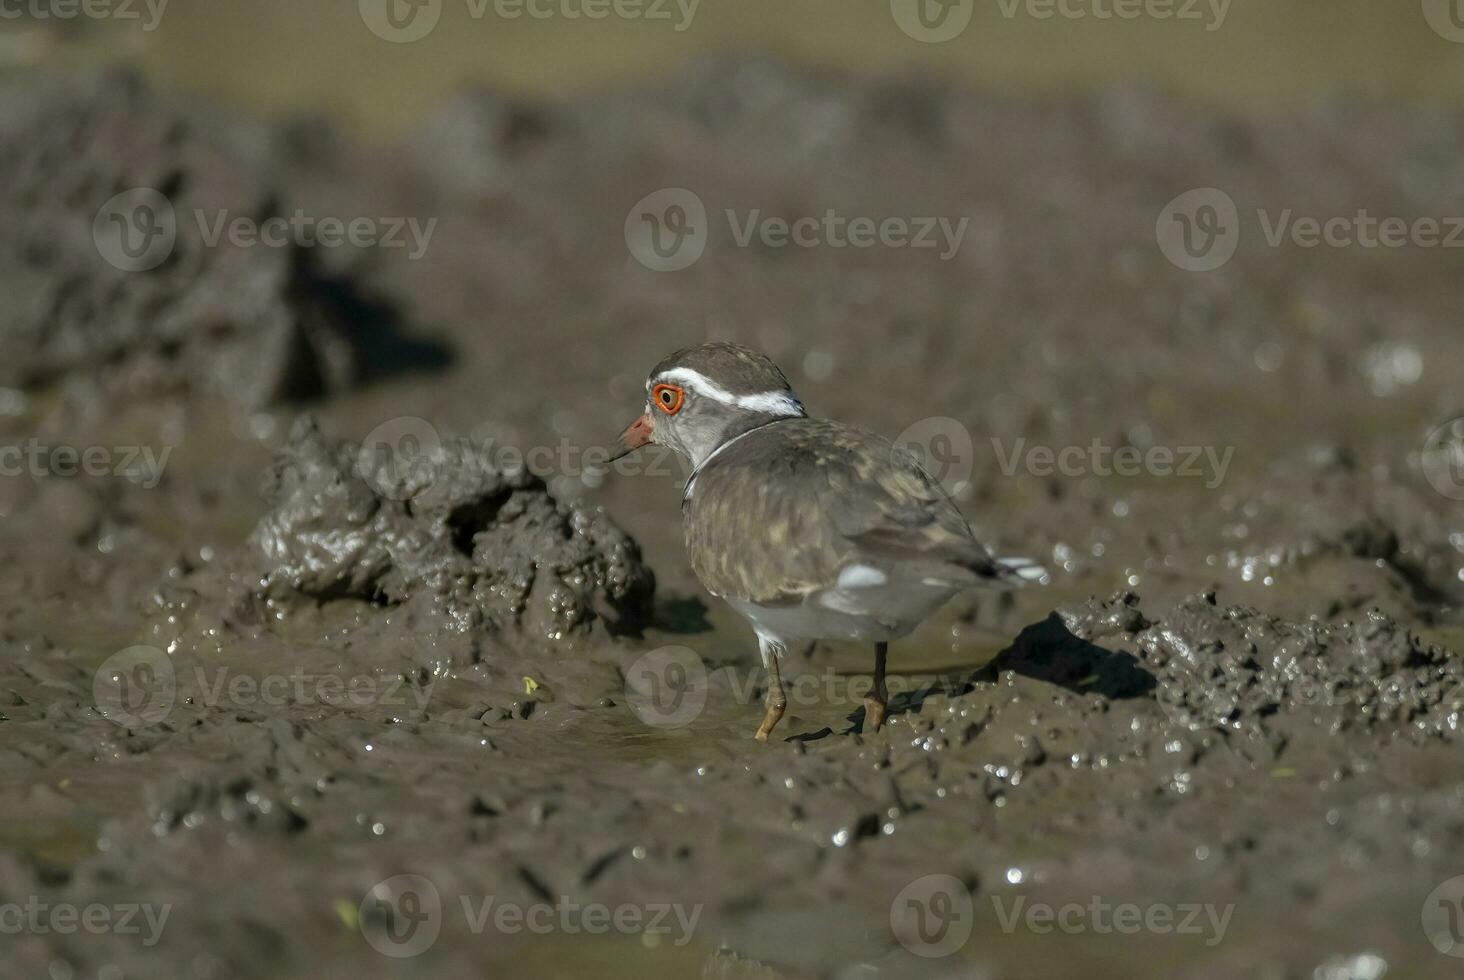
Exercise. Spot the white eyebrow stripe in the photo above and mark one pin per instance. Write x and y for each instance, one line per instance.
(771, 402)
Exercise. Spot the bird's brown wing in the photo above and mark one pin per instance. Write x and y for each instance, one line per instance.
(777, 514)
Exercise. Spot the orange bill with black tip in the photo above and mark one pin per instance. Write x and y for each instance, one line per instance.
(636, 435)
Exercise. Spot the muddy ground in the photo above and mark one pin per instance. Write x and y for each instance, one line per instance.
(340, 658)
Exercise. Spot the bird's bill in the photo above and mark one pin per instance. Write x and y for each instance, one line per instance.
(636, 435)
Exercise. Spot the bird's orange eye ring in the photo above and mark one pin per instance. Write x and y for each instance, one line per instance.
(667, 398)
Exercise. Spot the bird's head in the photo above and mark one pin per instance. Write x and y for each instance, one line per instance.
(700, 397)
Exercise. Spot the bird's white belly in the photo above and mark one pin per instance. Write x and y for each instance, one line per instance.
(872, 614)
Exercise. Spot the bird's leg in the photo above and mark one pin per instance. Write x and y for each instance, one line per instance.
(878, 698)
(777, 701)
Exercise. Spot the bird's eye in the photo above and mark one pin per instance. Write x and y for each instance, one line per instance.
(667, 398)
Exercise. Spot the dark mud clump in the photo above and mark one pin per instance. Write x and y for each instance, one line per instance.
(1200, 696)
(1234, 667)
(448, 544)
(119, 266)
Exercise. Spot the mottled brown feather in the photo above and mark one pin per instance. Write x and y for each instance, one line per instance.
(777, 514)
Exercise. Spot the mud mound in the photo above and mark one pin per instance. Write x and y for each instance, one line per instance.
(453, 543)
(1234, 667)
(114, 200)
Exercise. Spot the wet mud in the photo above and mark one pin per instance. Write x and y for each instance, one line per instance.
(306, 711)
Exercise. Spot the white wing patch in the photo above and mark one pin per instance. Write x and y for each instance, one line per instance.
(861, 577)
(844, 596)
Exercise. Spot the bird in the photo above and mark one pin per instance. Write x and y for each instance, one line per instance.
(809, 528)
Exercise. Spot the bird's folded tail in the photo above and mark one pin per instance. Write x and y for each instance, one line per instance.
(1022, 571)
(991, 573)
